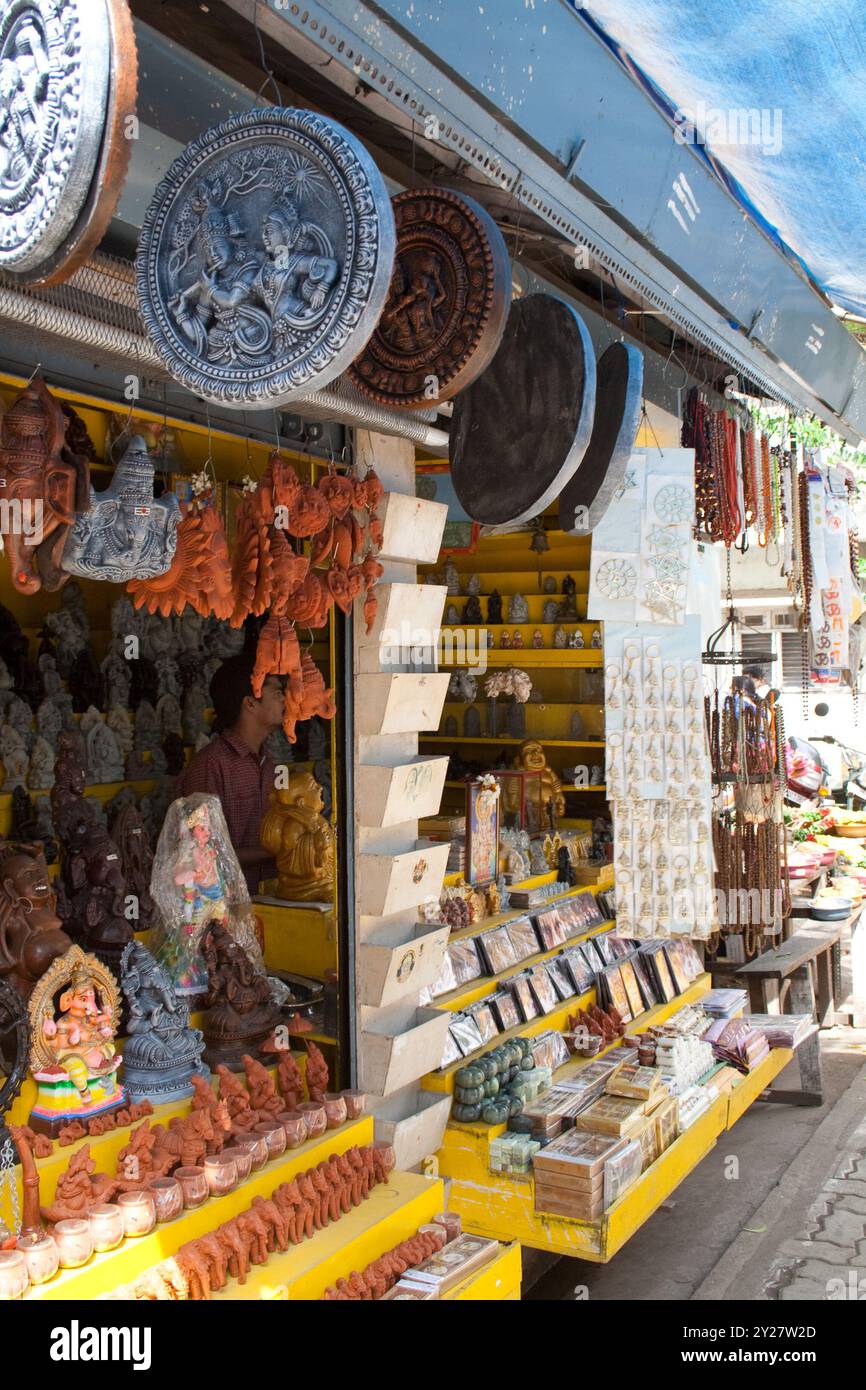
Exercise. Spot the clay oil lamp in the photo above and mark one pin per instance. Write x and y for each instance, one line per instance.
(257, 1147)
(41, 1254)
(356, 1103)
(242, 1159)
(274, 1136)
(139, 1213)
(167, 1195)
(315, 1117)
(193, 1185)
(106, 1226)
(336, 1109)
(294, 1126)
(14, 1279)
(74, 1242)
(221, 1174)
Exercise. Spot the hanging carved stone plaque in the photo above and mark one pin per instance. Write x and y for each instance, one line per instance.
(519, 432)
(265, 258)
(127, 533)
(448, 304)
(67, 85)
(587, 496)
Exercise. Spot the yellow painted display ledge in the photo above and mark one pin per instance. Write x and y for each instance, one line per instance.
(496, 1282)
(131, 1258)
(562, 658)
(392, 1213)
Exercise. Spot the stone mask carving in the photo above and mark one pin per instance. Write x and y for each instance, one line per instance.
(127, 533)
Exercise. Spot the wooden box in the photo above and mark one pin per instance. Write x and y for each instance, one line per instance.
(400, 702)
(414, 1122)
(412, 528)
(390, 966)
(407, 615)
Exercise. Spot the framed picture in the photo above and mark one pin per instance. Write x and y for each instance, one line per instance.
(632, 988)
(482, 831)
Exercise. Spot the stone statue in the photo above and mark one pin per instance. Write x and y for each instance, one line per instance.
(104, 755)
(20, 716)
(84, 681)
(49, 722)
(40, 775)
(120, 723)
(168, 715)
(127, 533)
(472, 610)
(138, 769)
(116, 679)
(51, 682)
(195, 702)
(473, 585)
(74, 1058)
(451, 578)
(239, 1013)
(168, 676)
(67, 637)
(577, 640)
(518, 609)
(146, 728)
(494, 607)
(550, 612)
(452, 615)
(31, 936)
(560, 637)
(294, 831)
(162, 1052)
(158, 640)
(13, 755)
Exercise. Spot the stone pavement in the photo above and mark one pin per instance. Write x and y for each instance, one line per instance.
(827, 1259)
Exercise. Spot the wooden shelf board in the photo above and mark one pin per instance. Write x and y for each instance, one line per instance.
(483, 738)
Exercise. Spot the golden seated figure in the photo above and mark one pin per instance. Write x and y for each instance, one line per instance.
(295, 832)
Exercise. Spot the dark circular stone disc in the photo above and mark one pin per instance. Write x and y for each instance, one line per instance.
(519, 432)
(447, 306)
(617, 415)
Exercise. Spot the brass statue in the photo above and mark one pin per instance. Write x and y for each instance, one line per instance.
(530, 758)
(295, 832)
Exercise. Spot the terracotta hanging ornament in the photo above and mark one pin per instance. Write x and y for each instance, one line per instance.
(43, 485)
(314, 699)
(310, 604)
(127, 533)
(199, 575)
(69, 88)
(252, 572)
(371, 572)
(449, 300)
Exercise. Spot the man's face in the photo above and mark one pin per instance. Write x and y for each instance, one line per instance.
(270, 707)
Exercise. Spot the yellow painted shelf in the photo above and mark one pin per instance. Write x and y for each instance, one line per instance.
(392, 1213)
(299, 939)
(133, 1257)
(566, 786)
(496, 1282)
(747, 1091)
(548, 742)
(571, 658)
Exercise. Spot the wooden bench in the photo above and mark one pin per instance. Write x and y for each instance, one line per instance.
(797, 977)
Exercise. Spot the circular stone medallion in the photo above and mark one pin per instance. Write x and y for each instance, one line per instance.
(54, 73)
(519, 432)
(265, 258)
(619, 384)
(448, 304)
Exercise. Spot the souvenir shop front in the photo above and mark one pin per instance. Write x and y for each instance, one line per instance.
(374, 805)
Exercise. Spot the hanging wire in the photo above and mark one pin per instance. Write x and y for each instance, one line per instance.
(266, 68)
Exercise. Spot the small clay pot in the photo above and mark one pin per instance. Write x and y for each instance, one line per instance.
(386, 1155)
(257, 1148)
(167, 1195)
(14, 1279)
(43, 1258)
(139, 1213)
(242, 1159)
(274, 1136)
(74, 1242)
(296, 1129)
(106, 1226)
(221, 1174)
(336, 1110)
(193, 1185)
(451, 1222)
(356, 1103)
(315, 1118)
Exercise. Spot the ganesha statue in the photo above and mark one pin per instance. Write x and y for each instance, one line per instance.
(162, 1052)
(74, 1059)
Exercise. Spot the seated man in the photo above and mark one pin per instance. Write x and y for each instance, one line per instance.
(234, 766)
